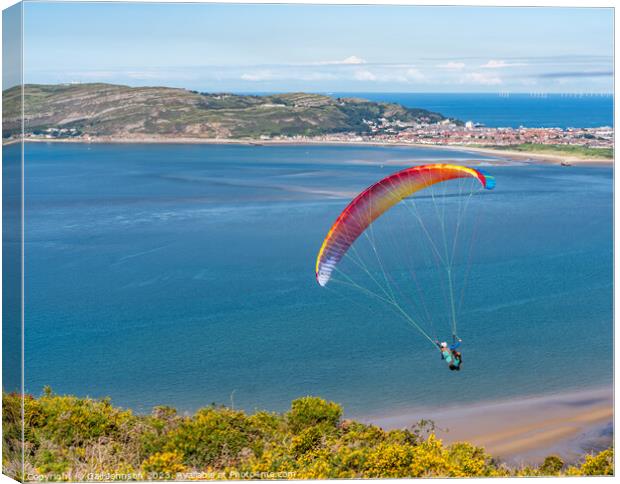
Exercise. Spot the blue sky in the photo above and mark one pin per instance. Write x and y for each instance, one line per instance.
(321, 48)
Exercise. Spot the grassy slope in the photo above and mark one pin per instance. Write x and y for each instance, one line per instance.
(68, 438)
(105, 109)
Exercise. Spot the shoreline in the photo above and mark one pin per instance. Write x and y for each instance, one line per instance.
(523, 156)
(524, 430)
(544, 158)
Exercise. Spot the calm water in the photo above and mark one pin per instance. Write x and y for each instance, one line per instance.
(553, 110)
(183, 275)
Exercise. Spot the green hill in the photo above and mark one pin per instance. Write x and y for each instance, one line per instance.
(122, 111)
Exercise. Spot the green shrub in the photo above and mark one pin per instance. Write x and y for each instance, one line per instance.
(157, 426)
(309, 439)
(308, 411)
(72, 421)
(467, 460)
(213, 437)
(551, 466)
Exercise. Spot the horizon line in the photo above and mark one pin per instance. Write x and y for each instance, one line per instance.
(541, 93)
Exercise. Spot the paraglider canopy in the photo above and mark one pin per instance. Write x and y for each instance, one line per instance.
(376, 200)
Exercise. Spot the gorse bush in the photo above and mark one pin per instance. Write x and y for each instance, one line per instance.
(164, 464)
(213, 437)
(69, 438)
(309, 411)
(601, 464)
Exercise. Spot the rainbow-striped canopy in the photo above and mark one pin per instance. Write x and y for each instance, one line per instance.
(377, 199)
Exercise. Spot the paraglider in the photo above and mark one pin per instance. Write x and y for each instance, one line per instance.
(371, 204)
(450, 354)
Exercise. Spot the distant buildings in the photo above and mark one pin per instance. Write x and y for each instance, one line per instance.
(471, 134)
(446, 132)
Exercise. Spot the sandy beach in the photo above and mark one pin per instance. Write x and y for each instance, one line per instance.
(523, 156)
(523, 431)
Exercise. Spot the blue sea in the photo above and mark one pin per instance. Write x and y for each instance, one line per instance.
(184, 275)
(509, 110)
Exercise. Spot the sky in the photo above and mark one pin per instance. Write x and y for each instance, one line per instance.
(320, 48)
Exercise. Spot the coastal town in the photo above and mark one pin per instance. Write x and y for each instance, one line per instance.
(450, 132)
(447, 132)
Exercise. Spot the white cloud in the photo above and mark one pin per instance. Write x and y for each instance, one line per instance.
(353, 60)
(414, 74)
(263, 75)
(500, 64)
(452, 65)
(349, 61)
(364, 75)
(482, 78)
(383, 74)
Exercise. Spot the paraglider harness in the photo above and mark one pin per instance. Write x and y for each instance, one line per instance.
(457, 359)
(453, 357)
